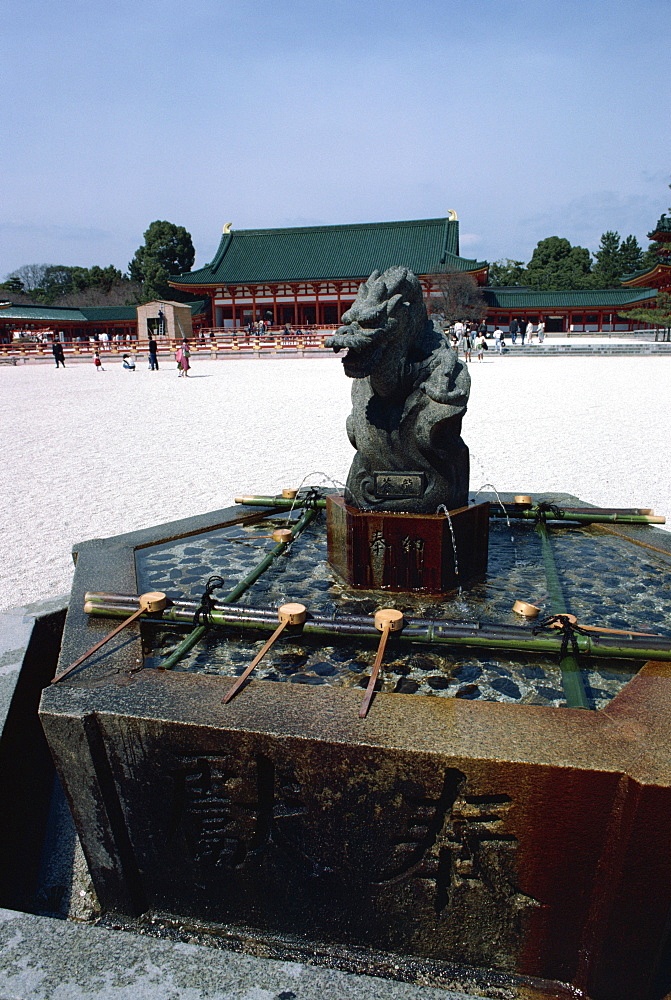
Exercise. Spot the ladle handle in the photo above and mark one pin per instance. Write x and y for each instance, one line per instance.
(257, 659)
(619, 631)
(368, 697)
(93, 649)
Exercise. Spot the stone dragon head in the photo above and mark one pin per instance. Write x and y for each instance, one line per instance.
(390, 339)
(409, 394)
(379, 328)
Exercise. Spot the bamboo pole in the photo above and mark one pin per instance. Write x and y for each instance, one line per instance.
(582, 515)
(508, 638)
(572, 681)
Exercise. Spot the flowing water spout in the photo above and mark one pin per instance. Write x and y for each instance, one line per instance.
(500, 501)
(503, 508)
(442, 509)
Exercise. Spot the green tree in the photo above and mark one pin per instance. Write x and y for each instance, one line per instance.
(12, 284)
(608, 267)
(615, 259)
(555, 265)
(57, 281)
(631, 256)
(657, 315)
(506, 272)
(60, 280)
(167, 250)
(104, 278)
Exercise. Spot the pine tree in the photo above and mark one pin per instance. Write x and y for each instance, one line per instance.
(506, 272)
(167, 250)
(657, 315)
(608, 267)
(631, 256)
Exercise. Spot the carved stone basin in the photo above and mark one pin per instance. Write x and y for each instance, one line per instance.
(495, 828)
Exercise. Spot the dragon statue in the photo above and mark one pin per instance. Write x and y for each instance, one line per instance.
(408, 399)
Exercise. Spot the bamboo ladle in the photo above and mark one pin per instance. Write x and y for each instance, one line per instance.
(597, 628)
(386, 620)
(154, 600)
(288, 614)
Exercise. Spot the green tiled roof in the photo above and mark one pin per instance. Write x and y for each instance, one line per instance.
(103, 314)
(637, 274)
(82, 314)
(512, 298)
(663, 226)
(41, 314)
(427, 246)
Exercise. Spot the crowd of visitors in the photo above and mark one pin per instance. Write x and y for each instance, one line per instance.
(523, 328)
(469, 337)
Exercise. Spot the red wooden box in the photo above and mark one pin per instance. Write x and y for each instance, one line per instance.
(376, 550)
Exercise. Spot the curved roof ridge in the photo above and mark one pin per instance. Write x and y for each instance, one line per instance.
(341, 252)
(271, 230)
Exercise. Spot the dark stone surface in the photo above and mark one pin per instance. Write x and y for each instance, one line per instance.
(505, 686)
(435, 827)
(26, 766)
(408, 398)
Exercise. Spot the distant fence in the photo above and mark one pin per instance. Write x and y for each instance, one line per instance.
(210, 341)
(221, 342)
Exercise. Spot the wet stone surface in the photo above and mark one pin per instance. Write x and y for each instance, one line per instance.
(607, 581)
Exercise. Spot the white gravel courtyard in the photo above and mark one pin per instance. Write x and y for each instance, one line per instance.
(89, 454)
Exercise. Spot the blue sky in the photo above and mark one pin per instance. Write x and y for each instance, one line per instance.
(530, 118)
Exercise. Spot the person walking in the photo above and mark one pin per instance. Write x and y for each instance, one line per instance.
(523, 330)
(541, 332)
(182, 358)
(498, 340)
(58, 353)
(97, 362)
(153, 355)
(481, 345)
(466, 344)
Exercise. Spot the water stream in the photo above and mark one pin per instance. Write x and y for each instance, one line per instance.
(442, 509)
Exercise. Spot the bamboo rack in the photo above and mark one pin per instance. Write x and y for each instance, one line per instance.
(583, 515)
(509, 638)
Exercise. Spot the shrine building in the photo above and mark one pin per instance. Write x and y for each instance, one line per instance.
(309, 276)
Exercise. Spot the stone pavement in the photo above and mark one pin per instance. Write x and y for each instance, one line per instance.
(46, 959)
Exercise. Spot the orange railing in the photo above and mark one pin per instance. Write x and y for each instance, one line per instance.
(210, 340)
